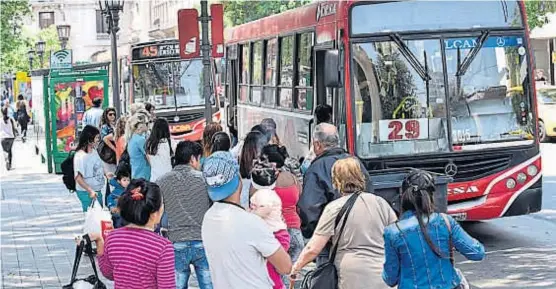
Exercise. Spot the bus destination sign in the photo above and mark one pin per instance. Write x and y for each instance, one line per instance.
(156, 51)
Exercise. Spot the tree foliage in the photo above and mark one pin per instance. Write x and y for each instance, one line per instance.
(241, 11)
(12, 14)
(537, 12)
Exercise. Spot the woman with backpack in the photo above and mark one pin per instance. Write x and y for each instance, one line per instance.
(88, 168)
(419, 247)
(159, 149)
(8, 132)
(22, 108)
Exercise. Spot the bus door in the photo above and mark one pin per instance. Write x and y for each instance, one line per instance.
(323, 95)
(232, 70)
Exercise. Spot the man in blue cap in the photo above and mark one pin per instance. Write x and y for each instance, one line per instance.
(237, 243)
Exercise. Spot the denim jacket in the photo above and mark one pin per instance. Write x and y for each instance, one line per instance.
(411, 263)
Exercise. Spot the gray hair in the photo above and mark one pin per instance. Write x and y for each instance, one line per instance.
(326, 136)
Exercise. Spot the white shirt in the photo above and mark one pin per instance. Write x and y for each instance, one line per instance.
(6, 129)
(244, 197)
(161, 163)
(93, 116)
(91, 168)
(237, 244)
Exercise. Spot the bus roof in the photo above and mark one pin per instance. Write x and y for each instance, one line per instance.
(285, 22)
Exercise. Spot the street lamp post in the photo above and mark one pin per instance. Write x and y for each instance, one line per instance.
(39, 47)
(63, 34)
(111, 10)
(31, 55)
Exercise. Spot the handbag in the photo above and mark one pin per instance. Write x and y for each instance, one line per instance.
(92, 281)
(463, 284)
(106, 154)
(326, 276)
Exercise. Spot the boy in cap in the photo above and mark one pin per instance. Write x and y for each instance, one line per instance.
(237, 243)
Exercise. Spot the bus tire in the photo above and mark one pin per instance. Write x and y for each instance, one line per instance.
(542, 132)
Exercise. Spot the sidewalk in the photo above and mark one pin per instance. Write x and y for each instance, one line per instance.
(39, 220)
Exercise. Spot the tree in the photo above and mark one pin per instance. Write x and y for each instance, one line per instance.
(12, 44)
(52, 44)
(537, 12)
(241, 11)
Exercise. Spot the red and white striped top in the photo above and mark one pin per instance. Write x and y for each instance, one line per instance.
(137, 258)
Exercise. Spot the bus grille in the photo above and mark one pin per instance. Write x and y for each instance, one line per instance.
(468, 167)
(184, 117)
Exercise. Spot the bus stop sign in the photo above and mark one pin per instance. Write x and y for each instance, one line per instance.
(188, 30)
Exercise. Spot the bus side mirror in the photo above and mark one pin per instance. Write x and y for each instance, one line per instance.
(331, 69)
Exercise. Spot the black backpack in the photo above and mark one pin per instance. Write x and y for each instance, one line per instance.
(67, 170)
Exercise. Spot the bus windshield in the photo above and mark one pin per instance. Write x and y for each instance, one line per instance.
(170, 84)
(405, 106)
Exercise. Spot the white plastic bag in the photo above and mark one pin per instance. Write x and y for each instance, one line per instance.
(97, 220)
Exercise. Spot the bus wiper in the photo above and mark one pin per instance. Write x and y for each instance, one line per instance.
(423, 73)
(472, 54)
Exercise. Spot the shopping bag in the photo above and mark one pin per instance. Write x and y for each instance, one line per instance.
(92, 281)
(98, 220)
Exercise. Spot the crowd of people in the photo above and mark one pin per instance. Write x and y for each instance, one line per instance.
(249, 216)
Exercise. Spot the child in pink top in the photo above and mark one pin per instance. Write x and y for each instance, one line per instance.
(267, 205)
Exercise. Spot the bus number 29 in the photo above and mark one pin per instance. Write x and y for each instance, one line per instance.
(400, 130)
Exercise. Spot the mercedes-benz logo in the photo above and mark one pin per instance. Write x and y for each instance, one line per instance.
(451, 169)
(500, 41)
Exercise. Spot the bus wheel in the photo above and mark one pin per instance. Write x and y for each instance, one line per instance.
(542, 131)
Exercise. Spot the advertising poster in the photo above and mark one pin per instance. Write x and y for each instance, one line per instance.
(72, 99)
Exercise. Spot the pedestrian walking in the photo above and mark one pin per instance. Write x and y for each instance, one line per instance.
(134, 256)
(359, 253)
(107, 125)
(119, 135)
(418, 247)
(140, 167)
(237, 243)
(93, 115)
(23, 115)
(119, 183)
(221, 142)
(288, 189)
(318, 189)
(88, 168)
(185, 208)
(159, 149)
(254, 143)
(8, 132)
(266, 204)
(210, 130)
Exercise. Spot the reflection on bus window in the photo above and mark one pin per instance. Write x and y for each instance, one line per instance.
(169, 84)
(398, 110)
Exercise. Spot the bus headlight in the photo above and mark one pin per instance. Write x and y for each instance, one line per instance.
(521, 178)
(510, 183)
(532, 170)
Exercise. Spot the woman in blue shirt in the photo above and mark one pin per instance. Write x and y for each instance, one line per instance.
(417, 247)
(140, 167)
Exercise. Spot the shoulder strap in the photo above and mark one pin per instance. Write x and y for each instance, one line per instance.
(450, 237)
(344, 213)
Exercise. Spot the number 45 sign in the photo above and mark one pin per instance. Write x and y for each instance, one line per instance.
(404, 129)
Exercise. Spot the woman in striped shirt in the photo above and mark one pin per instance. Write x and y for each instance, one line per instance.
(134, 256)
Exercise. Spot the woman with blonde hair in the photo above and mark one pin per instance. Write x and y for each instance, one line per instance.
(119, 136)
(358, 248)
(136, 137)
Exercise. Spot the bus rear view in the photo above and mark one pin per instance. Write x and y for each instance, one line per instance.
(446, 86)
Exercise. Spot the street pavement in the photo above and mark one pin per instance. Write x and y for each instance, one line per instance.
(39, 220)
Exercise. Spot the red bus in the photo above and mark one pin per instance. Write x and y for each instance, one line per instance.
(444, 86)
(173, 85)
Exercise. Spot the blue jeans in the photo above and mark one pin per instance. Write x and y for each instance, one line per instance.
(296, 246)
(191, 253)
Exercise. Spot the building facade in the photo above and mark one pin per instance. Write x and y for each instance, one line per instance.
(543, 44)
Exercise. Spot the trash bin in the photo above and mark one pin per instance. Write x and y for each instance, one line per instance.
(387, 183)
